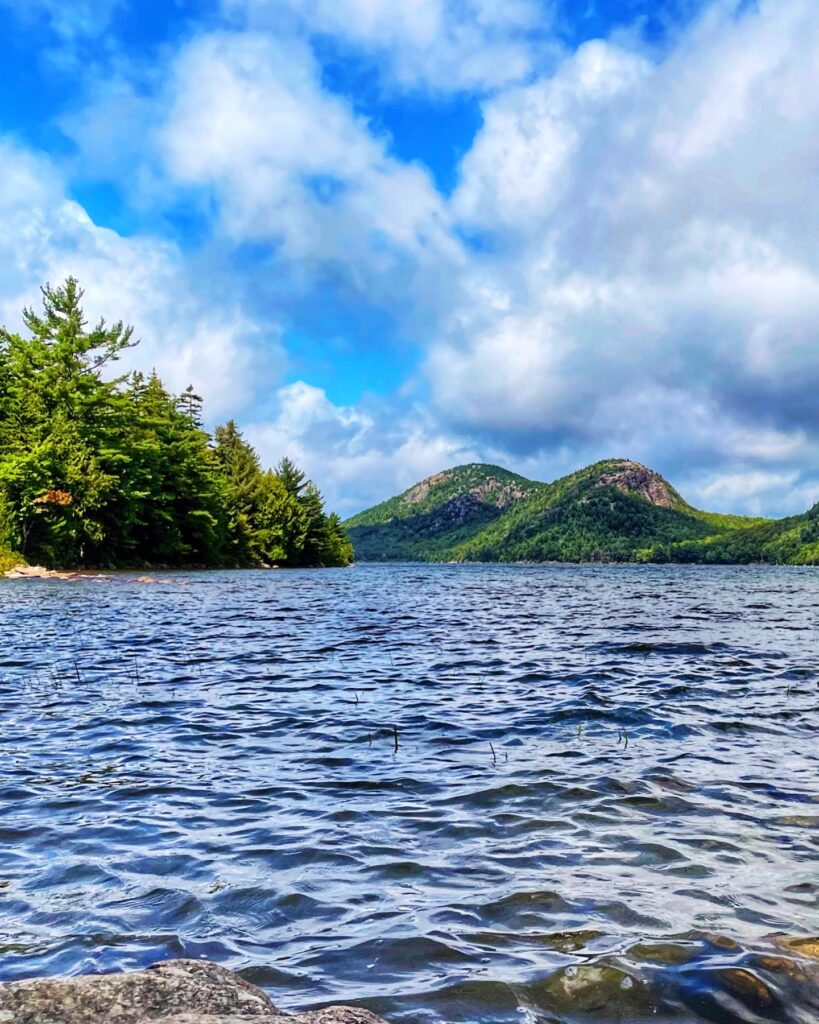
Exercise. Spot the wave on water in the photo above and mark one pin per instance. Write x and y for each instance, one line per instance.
(452, 794)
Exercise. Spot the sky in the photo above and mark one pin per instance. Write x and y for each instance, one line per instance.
(393, 236)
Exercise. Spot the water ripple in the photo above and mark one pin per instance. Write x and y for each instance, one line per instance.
(452, 794)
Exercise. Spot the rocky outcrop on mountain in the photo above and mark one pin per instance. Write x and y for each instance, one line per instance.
(173, 992)
(632, 478)
(497, 491)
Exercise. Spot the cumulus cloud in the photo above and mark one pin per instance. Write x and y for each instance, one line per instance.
(646, 274)
(442, 45)
(358, 455)
(186, 332)
(242, 126)
(292, 162)
(755, 491)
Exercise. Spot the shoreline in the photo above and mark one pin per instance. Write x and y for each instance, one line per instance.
(40, 572)
(153, 574)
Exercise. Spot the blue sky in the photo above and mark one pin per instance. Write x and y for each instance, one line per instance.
(390, 236)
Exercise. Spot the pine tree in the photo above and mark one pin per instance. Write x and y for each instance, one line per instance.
(239, 464)
(279, 523)
(240, 470)
(57, 426)
(190, 404)
(99, 469)
(291, 476)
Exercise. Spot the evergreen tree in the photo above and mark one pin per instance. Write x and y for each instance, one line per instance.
(279, 523)
(58, 422)
(239, 466)
(100, 469)
(190, 404)
(291, 476)
(315, 525)
(337, 548)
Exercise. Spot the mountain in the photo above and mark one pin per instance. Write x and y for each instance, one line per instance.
(433, 518)
(616, 510)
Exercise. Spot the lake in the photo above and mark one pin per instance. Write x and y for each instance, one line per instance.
(447, 793)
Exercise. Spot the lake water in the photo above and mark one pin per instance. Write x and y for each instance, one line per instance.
(447, 793)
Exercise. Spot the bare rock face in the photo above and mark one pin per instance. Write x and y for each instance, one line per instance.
(420, 491)
(494, 490)
(174, 992)
(632, 478)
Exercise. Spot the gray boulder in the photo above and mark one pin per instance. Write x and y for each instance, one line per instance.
(173, 992)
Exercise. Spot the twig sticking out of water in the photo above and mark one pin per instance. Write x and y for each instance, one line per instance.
(355, 694)
(622, 735)
(494, 755)
(395, 738)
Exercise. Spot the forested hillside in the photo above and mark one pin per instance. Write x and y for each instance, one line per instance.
(614, 511)
(105, 470)
(791, 541)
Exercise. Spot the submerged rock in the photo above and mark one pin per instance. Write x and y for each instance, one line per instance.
(807, 946)
(601, 988)
(173, 992)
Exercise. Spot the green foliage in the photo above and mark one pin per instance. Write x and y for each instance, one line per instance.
(791, 541)
(8, 558)
(581, 522)
(291, 477)
(97, 469)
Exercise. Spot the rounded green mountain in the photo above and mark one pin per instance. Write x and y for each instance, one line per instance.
(616, 510)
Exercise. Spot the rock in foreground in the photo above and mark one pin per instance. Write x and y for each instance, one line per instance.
(173, 992)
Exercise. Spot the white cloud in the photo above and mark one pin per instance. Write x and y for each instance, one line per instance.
(522, 163)
(647, 277)
(291, 164)
(186, 333)
(756, 492)
(730, 489)
(443, 45)
(357, 456)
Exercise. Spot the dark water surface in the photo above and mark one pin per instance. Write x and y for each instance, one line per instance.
(604, 804)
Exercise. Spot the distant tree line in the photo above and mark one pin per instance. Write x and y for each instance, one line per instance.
(105, 470)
